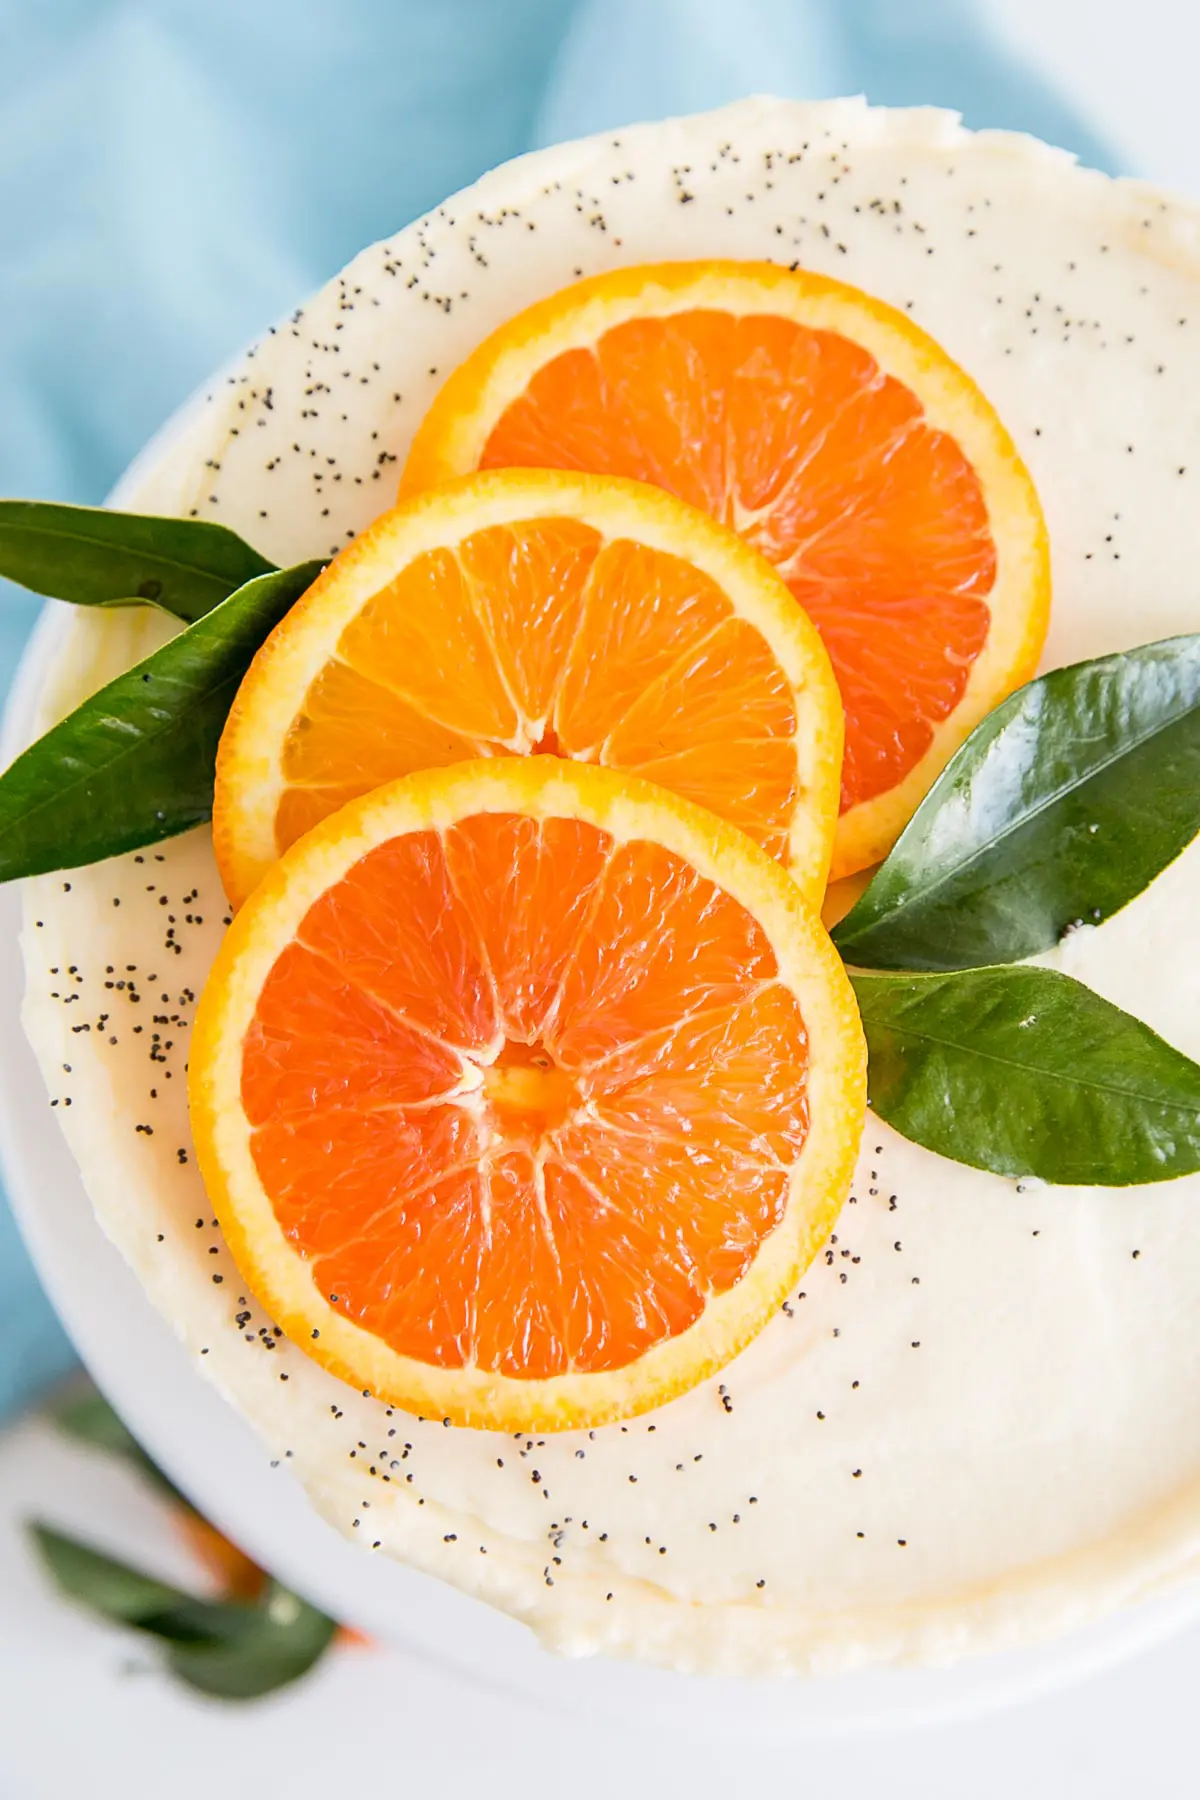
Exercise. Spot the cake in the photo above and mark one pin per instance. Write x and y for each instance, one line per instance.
(973, 1424)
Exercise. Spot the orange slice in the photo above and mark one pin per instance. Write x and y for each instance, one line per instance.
(530, 611)
(524, 1091)
(838, 438)
(538, 612)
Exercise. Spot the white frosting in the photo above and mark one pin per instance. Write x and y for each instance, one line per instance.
(980, 1423)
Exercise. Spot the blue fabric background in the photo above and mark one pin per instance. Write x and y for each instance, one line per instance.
(173, 176)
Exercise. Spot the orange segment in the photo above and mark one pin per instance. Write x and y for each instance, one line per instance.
(625, 1289)
(431, 974)
(391, 1278)
(731, 1079)
(713, 1206)
(837, 438)
(520, 1309)
(353, 732)
(532, 612)
(421, 636)
(528, 928)
(680, 734)
(529, 584)
(524, 1092)
(645, 612)
(661, 942)
(379, 1059)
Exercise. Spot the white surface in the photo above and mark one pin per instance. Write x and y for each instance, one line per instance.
(1125, 1732)
(399, 1721)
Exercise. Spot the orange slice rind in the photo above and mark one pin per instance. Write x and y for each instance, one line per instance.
(524, 1091)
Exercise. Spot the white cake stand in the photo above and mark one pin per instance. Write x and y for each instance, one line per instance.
(213, 1456)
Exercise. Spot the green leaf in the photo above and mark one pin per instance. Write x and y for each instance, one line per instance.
(1025, 1072)
(134, 764)
(1060, 808)
(125, 1595)
(283, 1639)
(100, 558)
(224, 1648)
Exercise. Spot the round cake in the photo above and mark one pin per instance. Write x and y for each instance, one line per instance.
(973, 1424)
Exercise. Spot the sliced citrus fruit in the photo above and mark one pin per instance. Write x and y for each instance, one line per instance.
(524, 1091)
(534, 611)
(837, 438)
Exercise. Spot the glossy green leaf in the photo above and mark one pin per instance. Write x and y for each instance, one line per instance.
(225, 1648)
(134, 764)
(1025, 1072)
(279, 1642)
(100, 558)
(1059, 809)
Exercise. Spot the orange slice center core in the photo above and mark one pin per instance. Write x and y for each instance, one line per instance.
(549, 744)
(528, 1093)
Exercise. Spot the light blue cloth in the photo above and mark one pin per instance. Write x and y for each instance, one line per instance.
(174, 176)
